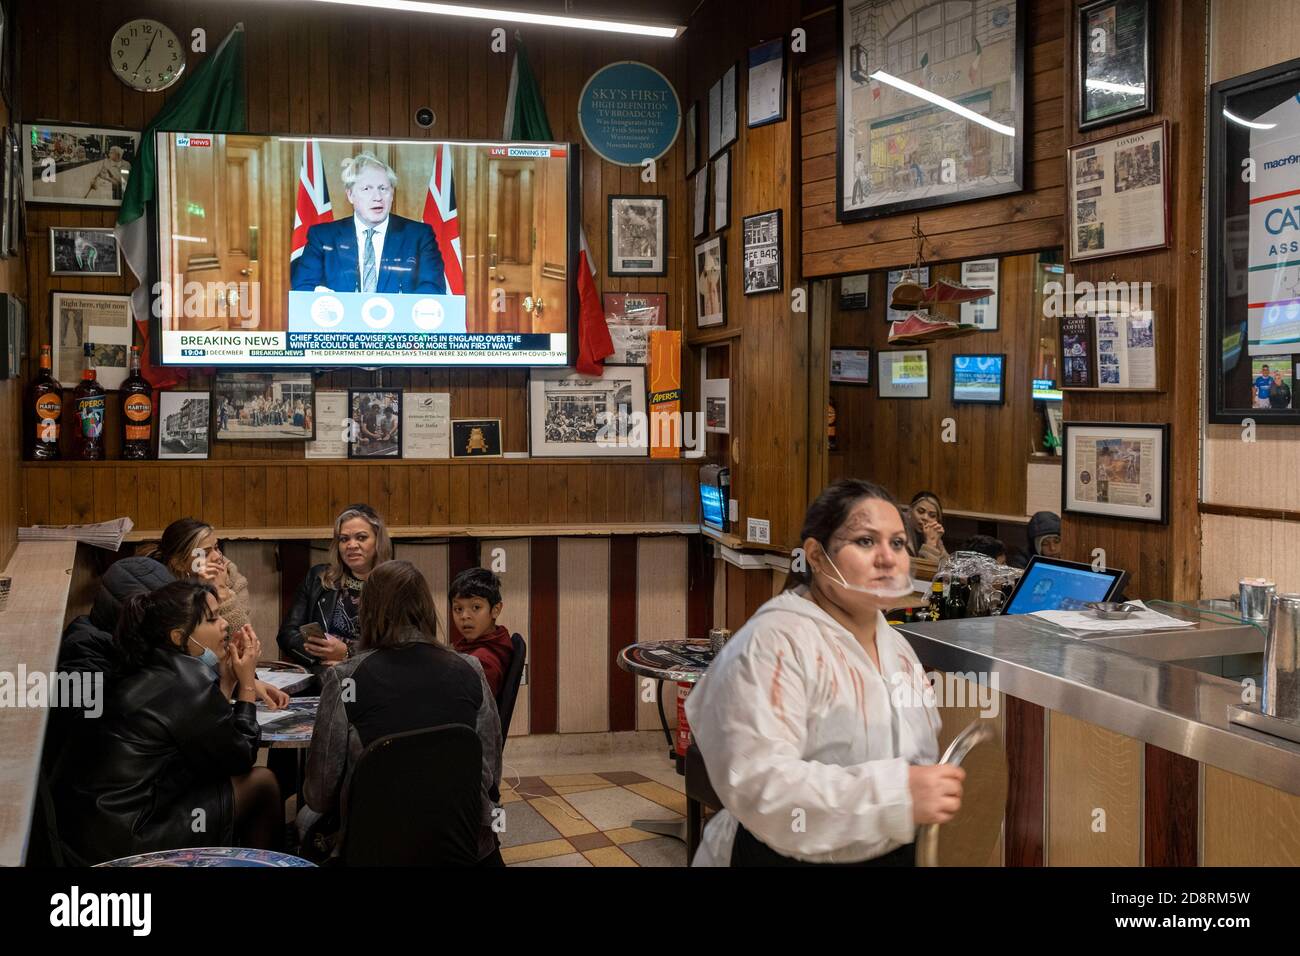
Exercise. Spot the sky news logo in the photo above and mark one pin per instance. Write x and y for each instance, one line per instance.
(76, 909)
(186, 140)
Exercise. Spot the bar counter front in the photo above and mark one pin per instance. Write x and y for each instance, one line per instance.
(1119, 747)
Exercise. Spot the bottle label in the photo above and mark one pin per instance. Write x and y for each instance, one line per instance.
(138, 410)
(90, 412)
(49, 406)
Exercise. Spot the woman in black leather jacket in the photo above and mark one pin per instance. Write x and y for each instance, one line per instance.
(170, 762)
(329, 596)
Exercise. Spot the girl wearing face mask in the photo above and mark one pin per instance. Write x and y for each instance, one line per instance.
(169, 763)
(814, 721)
(331, 593)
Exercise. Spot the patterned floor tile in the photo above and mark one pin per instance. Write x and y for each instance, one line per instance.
(574, 780)
(662, 795)
(625, 835)
(617, 807)
(590, 841)
(569, 859)
(535, 851)
(661, 851)
(561, 815)
(609, 856)
(623, 777)
(526, 825)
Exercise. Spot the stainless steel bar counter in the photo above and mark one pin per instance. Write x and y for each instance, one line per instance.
(1124, 683)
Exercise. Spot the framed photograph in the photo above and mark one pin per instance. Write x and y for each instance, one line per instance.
(638, 235)
(766, 89)
(102, 320)
(376, 428)
(855, 291)
(13, 340)
(263, 406)
(631, 317)
(476, 438)
(903, 373)
(1078, 351)
(979, 379)
(1116, 470)
(981, 274)
(84, 251)
(692, 145)
(1119, 194)
(183, 420)
(716, 395)
(1113, 61)
(77, 165)
(700, 204)
(1126, 350)
(850, 365)
(962, 138)
(575, 416)
(1250, 312)
(762, 252)
(721, 192)
(722, 112)
(711, 283)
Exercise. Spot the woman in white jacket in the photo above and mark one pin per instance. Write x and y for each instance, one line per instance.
(816, 721)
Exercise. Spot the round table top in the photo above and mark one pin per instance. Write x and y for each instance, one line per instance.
(208, 856)
(684, 661)
(293, 730)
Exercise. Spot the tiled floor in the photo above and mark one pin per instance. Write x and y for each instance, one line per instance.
(584, 818)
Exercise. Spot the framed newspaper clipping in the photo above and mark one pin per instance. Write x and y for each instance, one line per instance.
(1116, 470)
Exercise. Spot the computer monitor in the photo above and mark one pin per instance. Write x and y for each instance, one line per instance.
(1050, 584)
(715, 485)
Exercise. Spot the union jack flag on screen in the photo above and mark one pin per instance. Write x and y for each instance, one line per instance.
(440, 213)
(312, 204)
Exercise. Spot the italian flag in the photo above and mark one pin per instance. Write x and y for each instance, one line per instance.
(526, 120)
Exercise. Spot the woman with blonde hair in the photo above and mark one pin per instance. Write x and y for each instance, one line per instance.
(331, 593)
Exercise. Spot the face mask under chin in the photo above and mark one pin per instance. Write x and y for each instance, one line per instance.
(900, 585)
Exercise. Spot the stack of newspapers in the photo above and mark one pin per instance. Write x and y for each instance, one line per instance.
(105, 534)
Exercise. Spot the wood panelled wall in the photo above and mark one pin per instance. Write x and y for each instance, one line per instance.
(898, 442)
(1020, 222)
(768, 342)
(340, 71)
(1163, 560)
(13, 281)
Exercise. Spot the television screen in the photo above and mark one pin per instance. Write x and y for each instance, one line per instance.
(280, 250)
(713, 507)
(1045, 390)
(977, 379)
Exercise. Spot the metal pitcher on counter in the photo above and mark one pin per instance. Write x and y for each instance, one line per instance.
(1281, 691)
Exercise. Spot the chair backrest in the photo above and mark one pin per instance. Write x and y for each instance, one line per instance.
(415, 800)
(510, 684)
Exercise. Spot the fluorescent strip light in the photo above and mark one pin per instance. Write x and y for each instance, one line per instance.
(1107, 87)
(938, 100)
(516, 16)
(1246, 122)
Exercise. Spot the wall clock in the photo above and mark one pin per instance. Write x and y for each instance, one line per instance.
(146, 55)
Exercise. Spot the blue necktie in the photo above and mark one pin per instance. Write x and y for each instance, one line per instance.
(369, 274)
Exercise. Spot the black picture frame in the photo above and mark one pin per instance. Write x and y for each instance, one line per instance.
(63, 232)
(1077, 332)
(1002, 380)
(777, 44)
(462, 436)
(701, 208)
(225, 378)
(1082, 41)
(359, 446)
(691, 137)
(846, 63)
(881, 379)
(749, 287)
(649, 272)
(13, 335)
(1067, 470)
(714, 243)
(853, 382)
(1229, 386)
(716, 195)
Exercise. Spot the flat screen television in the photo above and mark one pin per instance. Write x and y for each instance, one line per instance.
(715, 494)
(1045, 390)
(978, 379)
(286, 250)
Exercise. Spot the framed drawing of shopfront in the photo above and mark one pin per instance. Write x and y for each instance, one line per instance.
(1252, 347)
(931, 104)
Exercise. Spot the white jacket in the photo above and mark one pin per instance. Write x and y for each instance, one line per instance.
(806, 743)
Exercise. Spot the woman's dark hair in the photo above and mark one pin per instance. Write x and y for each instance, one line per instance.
(476, 583)
(149, 617)
(396, 601)
(828, 513)
(175, 549)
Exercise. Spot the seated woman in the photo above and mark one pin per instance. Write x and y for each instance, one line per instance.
(328, 596)
(925, 520)
(170, 762)
(403, 677)
(189, 549)
(1044, 533)
(815, 713)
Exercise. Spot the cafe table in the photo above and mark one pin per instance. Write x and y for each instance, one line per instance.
(211, 856)
(290, 729)
(677, 662)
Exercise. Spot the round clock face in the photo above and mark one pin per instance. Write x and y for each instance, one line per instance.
(146, 55)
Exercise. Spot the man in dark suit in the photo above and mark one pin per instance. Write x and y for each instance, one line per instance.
(374, 250)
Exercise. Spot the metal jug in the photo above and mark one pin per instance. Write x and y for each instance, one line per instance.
(1281, 692)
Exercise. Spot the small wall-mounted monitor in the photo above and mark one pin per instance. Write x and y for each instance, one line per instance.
(715, 494)
(978, 379)
(1045, 390)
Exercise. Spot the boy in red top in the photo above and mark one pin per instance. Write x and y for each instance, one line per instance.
(475, 597)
